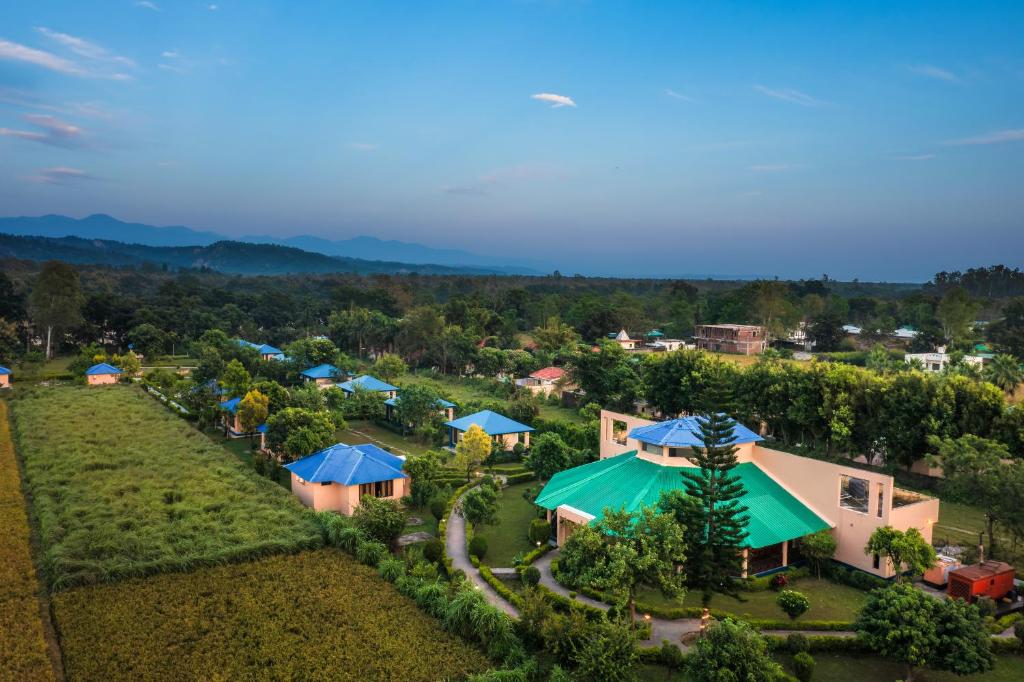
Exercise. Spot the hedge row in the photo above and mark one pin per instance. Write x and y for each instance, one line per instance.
(122, 488)
(524, 477)
(818, 643)
(23, 650)
(255, 620)
(501, 588)
(442, 525)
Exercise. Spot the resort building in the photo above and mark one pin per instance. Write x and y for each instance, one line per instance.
(102, 374)
(5, 377)
(502, 430)
(740, 339)
(545, 381)
(233, 425)
(366, 382)
(626, 343)
(940, 360)
(787, 496)
(336, 478)
(447, 409)
(323, 376)
(265, 350)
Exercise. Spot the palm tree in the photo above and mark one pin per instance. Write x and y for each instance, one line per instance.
(1004, 371)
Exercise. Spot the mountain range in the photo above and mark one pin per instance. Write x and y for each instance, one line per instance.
(104, 227)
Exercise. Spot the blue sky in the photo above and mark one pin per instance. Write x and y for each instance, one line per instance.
(877, 140)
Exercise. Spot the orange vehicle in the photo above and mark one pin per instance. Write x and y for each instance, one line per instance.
(988, 579)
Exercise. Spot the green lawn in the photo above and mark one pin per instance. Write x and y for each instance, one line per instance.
(829, 601)
(360, 431)
(507, 537)
(242, 449)
(463, 390)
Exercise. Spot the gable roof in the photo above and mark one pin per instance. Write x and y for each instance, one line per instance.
(348, 465)
(685, 432)
(440, 402)
(492, 423)
(774, 515)
(324, 371)
(102, 368)
(4, 370)
(367, 383)
(230, 405)
(549, 374)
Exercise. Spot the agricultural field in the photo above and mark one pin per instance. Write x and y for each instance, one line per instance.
(123, 488)
(23, 653)
(312, 616)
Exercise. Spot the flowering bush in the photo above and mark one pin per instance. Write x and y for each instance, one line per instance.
(779, 581)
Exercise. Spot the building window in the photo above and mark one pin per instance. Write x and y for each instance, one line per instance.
(881, 499)
(853, 493)
(653, 449)
(377, 489)
(876, 561)
(619, 431)
(680, 452)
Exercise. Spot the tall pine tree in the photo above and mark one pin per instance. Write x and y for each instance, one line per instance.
(717, 521)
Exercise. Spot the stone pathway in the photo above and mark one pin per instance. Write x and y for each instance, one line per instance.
(455, 546)
(418, 536)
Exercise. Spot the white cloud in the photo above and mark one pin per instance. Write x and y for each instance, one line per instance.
(60, 175)
(54, 131)
(791, 95)
(914, 157)
(212, 8)
(170, 54)
(677, 95)
(148, 5)
(556, 101)
(84, 48)
(362, 146)
(47, 60)
(929, 71)
(996, 137)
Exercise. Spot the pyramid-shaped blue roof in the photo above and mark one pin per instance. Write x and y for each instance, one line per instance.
(230, 405)
(348, 465)
(4, 370)
(102, 368)
(685, 432)
(440, 402)
(261, 348)
(324, 371)
(492, 423)
(367, 383)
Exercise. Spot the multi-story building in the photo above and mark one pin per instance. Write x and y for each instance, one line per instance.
(742, 339)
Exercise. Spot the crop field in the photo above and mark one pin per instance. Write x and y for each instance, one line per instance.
(311, 616)
(22, 647)
(123, 488)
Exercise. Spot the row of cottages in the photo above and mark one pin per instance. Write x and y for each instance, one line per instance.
(653, 341)
(336, 478)
(101, 374)
(502, 430)
(265, 350)
(739, 339)
(5, 377)
(788, 496)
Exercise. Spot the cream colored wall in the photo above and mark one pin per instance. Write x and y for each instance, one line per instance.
(568, 519)
(817, 484)
(336, 497)
(609, 448)
(5, 380)
(101, 379)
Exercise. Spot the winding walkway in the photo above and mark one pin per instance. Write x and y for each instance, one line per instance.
(455, 546)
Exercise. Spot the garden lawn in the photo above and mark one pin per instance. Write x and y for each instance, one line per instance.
(829, 601)
(242, 449)
(846, 668)
(508, 536)
(23, 653)
(310, 616)
(121, 487)
(466, 390)
(361, 431)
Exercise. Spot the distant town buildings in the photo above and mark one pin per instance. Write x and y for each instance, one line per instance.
(940, 360)
(740, 339)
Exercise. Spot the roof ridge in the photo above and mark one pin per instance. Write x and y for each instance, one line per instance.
(600, 472)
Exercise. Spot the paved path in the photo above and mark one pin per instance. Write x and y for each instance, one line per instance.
(455, 545)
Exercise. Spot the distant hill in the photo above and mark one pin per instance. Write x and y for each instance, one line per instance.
(223, 256)
(101, 226)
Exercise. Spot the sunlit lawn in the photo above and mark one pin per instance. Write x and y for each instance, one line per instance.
(508, 536)
(461, 391)
(361, 431)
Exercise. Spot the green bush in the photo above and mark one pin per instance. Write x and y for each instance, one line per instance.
(391, 569)
(438, 507)
(522, 477)
(531, 576)
(797, 643)
(1018, 632)
(433, 550)
(478, 546)
(671, 656)
(986, 606)
(540, 531)
(803, 666)
(370, 552)
(794, 603)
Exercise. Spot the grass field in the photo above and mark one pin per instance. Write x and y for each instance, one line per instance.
(122, 488)
(829, 601)
(360, 431)
(242, 449)
(311, 616)
(508, 536)
(23, 653)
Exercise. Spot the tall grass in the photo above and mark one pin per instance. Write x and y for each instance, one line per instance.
(123, 488)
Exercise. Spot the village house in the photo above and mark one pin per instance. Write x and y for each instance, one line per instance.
(5, 377)
(324, 376)
(502, 430)
(788, 496)
(740, 339)
(545, 381)
(102, 374)
(940, 360)
(233, 425)
(337, 478)
(624, 341)
(265, 350)
(366, 382)
(447, 409)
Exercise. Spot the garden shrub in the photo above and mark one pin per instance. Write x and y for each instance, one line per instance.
(521, 477)
(379, 518)
(438, 507)
(23, 652)
(370, 552)
(779, 581)
(803, 666)
(797, 643)
(986, 606)
(230, 622)
(478, 546)
(794, 603)
(1018, 632)
(671, 656)
(123, 488)
(391, 569)
(531, 576)
(432, 550)
(540, 531)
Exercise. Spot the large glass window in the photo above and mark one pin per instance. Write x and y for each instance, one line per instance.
(653, 449)
(377, 489)
(680, 452)
(853, 493)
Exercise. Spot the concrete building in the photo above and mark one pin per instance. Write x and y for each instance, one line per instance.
(545, 381)
(102, 374)
(337, 478)
(324, 376)
(788, 496)
(5, 377)
(626, 343)
(940, 360)
(741, 339)
(502, 430)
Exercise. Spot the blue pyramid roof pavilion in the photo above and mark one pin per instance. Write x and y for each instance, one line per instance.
(348, 465)
(685, 432)
(492, 423)
(324, 371)
(102, 368)
(367, 383)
